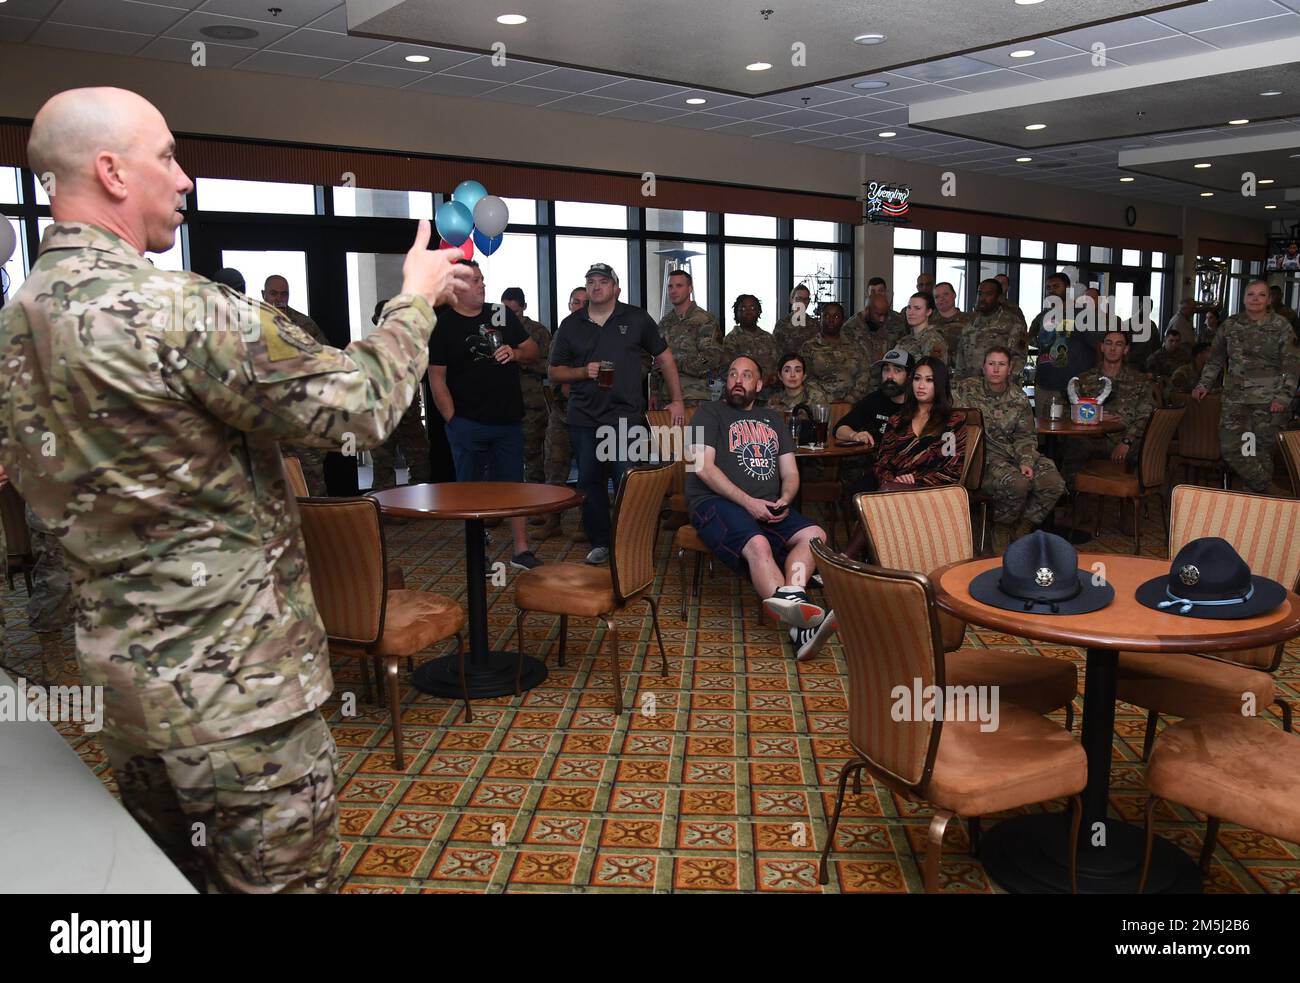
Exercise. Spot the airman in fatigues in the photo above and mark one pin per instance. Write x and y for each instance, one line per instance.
(1186, 376)
(142, 420)
(991, 325)
(1131, 401)
(49, 607)
(928, 341)
(532, 381)
(692, 338)
(1163, 362)
(411, 435)
(951, 326)
(837, 366)
(799, 325)
(276, 293)
(749, 340)
(1258, 350)
(868, 322)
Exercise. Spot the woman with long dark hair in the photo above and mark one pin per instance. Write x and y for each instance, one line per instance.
(924, 445)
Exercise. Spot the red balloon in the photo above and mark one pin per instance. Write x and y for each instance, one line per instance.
(466, 248)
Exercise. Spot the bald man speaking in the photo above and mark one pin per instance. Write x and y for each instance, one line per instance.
(140, 415)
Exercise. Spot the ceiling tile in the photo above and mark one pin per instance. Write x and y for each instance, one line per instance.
(639, 90)
(282, 63)
(715, 99)
(336, 21)
(295, 13)
(842, 127)
(514, 70)
(989, 80)
(816, 96)
(1203, 16)
(175, 49)
(439, 58)
(891, 117)
(1074, 65)
(583, 103)
(895, 82)
(88, 38)
(450, 85)
(1131, 31)
(702, 121)
(359, 73)
(1271, 29)
(1044, 49)
(322, 44)
(30, 9)
(799, 117)
(747, 128)
(192, 24)
(917, 94)
(644, 112)
(749, 109)
(1149, 51)
(16, 29)
(527, 95)
(944, 68)
(116, 15)
(792, 135)
(574, 80)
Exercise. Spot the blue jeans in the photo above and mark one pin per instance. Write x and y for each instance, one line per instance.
(593, 477)
(486, 451)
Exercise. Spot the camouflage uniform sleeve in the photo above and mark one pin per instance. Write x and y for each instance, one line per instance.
(258, 372)
(1140, 407)
(1288, 364)
(1024, 435)
(1018, 342)
(1218, 355)
(702, 351)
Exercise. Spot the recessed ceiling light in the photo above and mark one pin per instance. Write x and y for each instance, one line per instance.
(1269, 207)
(1024, 53)
(1207, 194)
(1271, 92)
(758, 66)
(1036, 126)
(869, 39)
(1266, 180)
(1238, 122)
(1201, 167)
(512, 20)
(417, 59)
(697, 101)
(887, 134)
(1126, 180)
(871, 84)
(227, 32)
(1023, 160)
(1027, 3)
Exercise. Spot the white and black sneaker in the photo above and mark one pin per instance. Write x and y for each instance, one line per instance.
(794, 607)
(525, 561)
(809, 641)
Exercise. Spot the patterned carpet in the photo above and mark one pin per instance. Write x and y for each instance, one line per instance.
(726, 787)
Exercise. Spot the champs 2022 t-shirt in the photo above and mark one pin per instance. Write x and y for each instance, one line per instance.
(747, 447)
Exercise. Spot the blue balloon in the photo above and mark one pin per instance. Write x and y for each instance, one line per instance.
(454, 222)
(468, 194)
(488, 245)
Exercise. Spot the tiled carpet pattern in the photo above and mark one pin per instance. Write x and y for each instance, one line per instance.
(720, 777)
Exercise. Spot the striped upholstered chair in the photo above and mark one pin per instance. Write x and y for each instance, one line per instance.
(889, 627)
(923, 529)
(1266, 532)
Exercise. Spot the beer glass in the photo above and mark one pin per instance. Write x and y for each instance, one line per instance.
(821, 414)
(605, 378)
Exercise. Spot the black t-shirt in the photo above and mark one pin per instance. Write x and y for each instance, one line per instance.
(626, 335)
(482, 389)
(871, 413)
(747, 445)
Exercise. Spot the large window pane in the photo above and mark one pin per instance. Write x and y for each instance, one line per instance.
(41, 197)
(674, 220)
(257, 265)
(1131, 257)
(367, 203)
(755, 226)
(951, 242)
(1123, 300)
(659, 260)
(8, 185)
(1028, 288)
(1158, 300)
(590, 216)
(514, 264)
(16, 267)
(751, 270)
(906, 270)
(574, 255)
(806, 230)
(951, 270)
(994, 245)
(1067, 252)
(1158, 260)
(220, 195)
(909, 238)
(990, 268)
(372, 277)
(523, 211)
(821, 271)
(1100, 254)
(1031, 248)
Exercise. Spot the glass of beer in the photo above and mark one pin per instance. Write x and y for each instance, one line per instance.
(494, 339)
(605, 378)
(821, 414)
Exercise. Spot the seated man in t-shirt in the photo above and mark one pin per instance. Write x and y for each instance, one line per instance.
(739, 494)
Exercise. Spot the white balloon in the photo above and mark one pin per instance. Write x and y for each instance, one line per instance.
(7, 240)
(491, 216)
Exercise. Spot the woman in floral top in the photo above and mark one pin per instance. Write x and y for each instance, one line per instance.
(924, 445)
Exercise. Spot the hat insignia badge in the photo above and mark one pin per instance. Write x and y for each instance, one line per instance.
(1044, 577)
(1188, 574)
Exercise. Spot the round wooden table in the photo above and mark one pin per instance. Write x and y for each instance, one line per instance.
(487, 672)
(833, 450)
(1054, 430)
(1027, 854)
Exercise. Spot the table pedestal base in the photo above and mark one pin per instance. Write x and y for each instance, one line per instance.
(493, 675)
(1027, 855)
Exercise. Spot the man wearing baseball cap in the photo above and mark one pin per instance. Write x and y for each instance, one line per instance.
(607, 422)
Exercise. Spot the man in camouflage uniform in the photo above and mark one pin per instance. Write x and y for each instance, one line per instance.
(875, 318)
(1170, 356)
(559, 446)
(1131, 401)
(1023, 484)
(1258, 349)
(410, 435)
(275, 291)
(1004, 282)
(49, 607)
(837, 368)
(748, 340)
(947, 317)
(991, 326)
(923, 338)
(1187, 375)
(164, 399)
(692, 335)
(1278, 306)
(532, 382)
(799, 325)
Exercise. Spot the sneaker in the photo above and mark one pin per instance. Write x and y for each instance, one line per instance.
(598, 555)
(809, 641)
(525, 561)
(793, 606)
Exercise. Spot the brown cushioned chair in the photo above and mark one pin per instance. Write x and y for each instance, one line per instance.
(363, 617)
(601, 592)
(294, 475)
(1198, 439)
(1106, 479)
(1288, 441)
(1228, 767)
(671, 443)
(923, 529)
(1265, 531)
(890, 631)
(972, 476)
(18, 539)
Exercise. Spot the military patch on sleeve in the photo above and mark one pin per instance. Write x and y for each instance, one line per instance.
(284, 339)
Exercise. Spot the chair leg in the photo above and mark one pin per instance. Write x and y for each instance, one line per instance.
(1149, 739)
(1076, 820)
(391, 669)
(823, 875)
(464, 687)
(366, 694)
(378, 663)
(973, 825)
(519, 640)
(1285, 707)
(1069, 717)
(612, 627)
(681, 568)
(1150, 836)
(1211, 840)
(934, 849)
(984, 527)
(654, 619)
(1137, 530)
(1074, 511)
(564, 636)
(27, 578)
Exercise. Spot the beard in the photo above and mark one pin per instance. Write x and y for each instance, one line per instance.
(891, 388)
(738, 400)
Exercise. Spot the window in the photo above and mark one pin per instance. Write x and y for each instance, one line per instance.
(1100, 254)
(952, 271)
(590, 216)
(951, 242)
(372, 277)
(256, 266)
(16, 267)
(1130, 257)
(990, 244)
(658, 264)
(906, 269)
(41, 197)
(1158, 260)
(672, 220)
(523, 211)
(806, 230)
(1067, 252)
(1123, 300)
(1031, 249)
(219, 195)
(750, 270)
(8, 185)
(1157, 299)
(1029, 290)
(990, 268)
(364, 202)
(819, 270)
(514, 264)
(574, 256)
(751, 226)
(909, 238)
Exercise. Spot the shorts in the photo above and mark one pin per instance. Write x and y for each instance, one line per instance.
(725, 528)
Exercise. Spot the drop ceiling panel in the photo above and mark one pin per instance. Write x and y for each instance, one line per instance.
(116, 15)
(17, 29)
(293, 12)
(175, 49)
(89, 38)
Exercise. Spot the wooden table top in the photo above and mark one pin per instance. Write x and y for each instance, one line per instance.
(1124, 623)
(475, 500)
(1068, 428)
(833, 448)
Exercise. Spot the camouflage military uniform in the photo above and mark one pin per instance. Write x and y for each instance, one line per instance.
(559, 449)
(413, 438)
(951, 327)
(1131, 401)
(756, 343)
(1186, 378)
(532, 380)
(791, 337)
(166, 398)
(1163, 363)
(1010, 443)
(312, 459)
(858, 328)
(49, 608)
(1262, 363)
(838, 371)
(782, 401)
(985, 331)
(928, 342)
(692, 338)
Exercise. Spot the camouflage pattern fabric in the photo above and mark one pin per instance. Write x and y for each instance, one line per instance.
(754, 343)
(1237, 422)
(951, 327)
(49, 608)
(1163, 363)
(791, 337)
(559, 447)
(985, 331)
(1187, 377)
(839, 371)
(413, 438)
(143, 426)
(532, 381)
(266, 801)
(1131, 401)
(929, 341)
(312, 459)
(693, 339)
(783, 400)
(861, 325)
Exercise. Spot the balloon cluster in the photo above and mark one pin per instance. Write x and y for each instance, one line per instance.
(472, 218)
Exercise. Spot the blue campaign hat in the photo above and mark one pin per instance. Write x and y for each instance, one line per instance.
(1040, 575)
(1209, 579)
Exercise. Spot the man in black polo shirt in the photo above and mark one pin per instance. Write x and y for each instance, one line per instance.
(476, 389)
(607, 425)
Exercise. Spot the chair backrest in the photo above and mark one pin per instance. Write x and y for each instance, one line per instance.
(972, 474)
(1289, 441)
(886, 624)
(347, 562)
(1264, 530)
(672, 444)
(294, 475)
(919, 531)
(1198, 433)
(636, 526)
(13, 513)
(839, 411)
(1154, 459)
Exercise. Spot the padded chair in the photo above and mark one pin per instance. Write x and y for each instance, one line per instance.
(364, 618)
(923, 529)
(601, 592)
(827, 489)
(972, 477)
(18, 539)
(1198, 440)
(671, 445)
(1288, 441)
(1266, 532)
(1106, 479)
(1229, 767)
(890, 631)
(297, 480)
